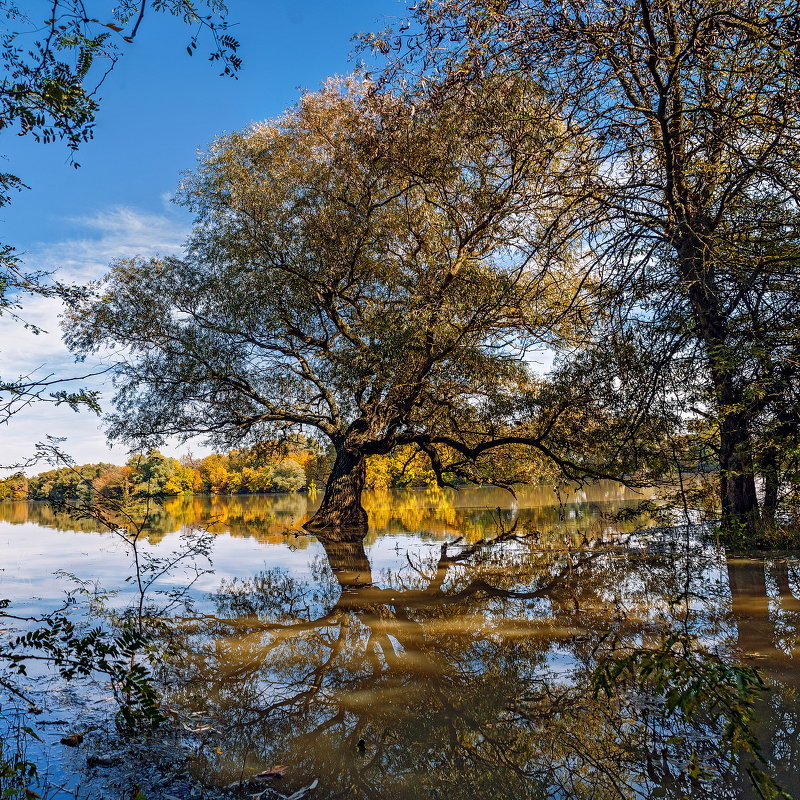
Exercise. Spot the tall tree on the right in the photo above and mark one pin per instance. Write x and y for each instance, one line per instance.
(693, 111)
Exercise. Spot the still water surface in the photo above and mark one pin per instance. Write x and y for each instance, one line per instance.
(447, 655)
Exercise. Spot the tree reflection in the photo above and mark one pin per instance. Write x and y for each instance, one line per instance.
(400, 668)
(464, 673)
(765, 608)
(471, 512)
(464, 666)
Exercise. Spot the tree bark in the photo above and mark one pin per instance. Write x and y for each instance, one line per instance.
(341, 517)
(737, 474)
(737, 478)
(771, 477)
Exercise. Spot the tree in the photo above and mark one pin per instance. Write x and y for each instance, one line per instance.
(690, 108)
(404, 466)
(367, 268)
(54, 58)
(15, 487)
(289, 476)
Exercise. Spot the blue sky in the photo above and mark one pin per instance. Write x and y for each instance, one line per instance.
(159, 108)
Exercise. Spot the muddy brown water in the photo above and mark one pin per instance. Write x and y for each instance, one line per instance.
(449, 654)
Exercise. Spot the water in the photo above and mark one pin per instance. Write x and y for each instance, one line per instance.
(450, 653)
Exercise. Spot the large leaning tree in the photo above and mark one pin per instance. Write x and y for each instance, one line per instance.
(366, 267)
(692, 217)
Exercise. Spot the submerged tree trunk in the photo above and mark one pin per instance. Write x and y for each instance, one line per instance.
(341, 517)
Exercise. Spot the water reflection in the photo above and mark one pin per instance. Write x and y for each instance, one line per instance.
(468, 512)
(464, 672)
(765, 609)
(449, 654)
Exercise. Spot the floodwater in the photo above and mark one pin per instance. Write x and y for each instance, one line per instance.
(448, 655)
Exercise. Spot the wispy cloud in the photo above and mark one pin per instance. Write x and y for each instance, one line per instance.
(106, 236)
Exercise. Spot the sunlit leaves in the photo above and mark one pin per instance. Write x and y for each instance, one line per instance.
(371, 267)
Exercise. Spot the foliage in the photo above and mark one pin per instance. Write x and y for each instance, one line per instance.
(66, 483)
(56, 55)
(289, 476)
(773, 535)
(96, 652)
(698, 686)
(689, 118)
(17, 773)
(120, 649)
(19, 392)
(15, 487)
(403, 466)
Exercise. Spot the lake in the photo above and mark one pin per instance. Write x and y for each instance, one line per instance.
(449, 654)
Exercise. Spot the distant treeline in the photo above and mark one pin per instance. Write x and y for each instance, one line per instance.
(286, 467)
(291, 466)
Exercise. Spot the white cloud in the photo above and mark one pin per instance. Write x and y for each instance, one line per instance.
(108, 235)
(100, 239)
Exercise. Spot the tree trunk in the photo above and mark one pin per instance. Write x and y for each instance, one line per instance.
(341, 517)
(737, 478)
(771, 477)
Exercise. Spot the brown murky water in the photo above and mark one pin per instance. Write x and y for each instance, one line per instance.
(450, 653)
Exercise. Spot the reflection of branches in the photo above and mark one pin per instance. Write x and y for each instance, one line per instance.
(423, 683)
(385, 615)
(360, 596)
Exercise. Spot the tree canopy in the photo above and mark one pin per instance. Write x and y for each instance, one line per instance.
(368, 267)
(689, 114)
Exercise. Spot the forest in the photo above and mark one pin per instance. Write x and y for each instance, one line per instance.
(290, 466)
